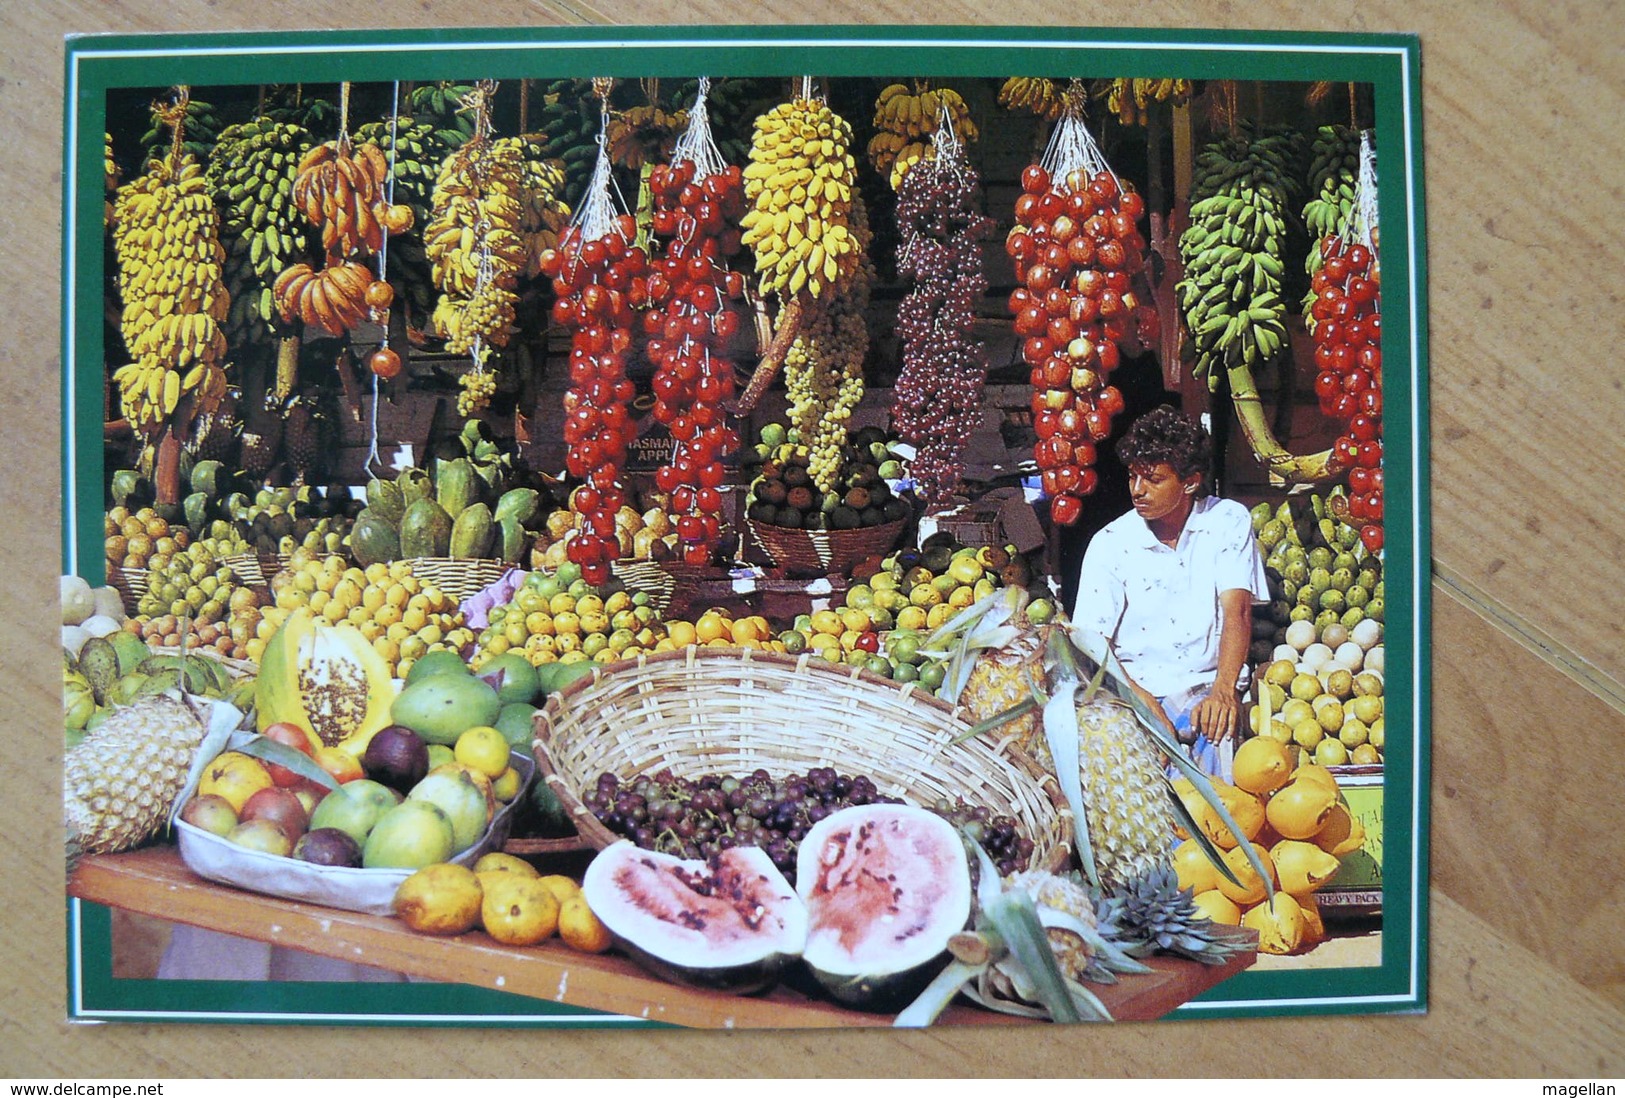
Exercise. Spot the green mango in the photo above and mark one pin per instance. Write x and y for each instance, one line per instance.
(521, 503)
(386, 501)
(373, 539)
(472, 532)
(425, 530)
(196, 507)
(127, 485)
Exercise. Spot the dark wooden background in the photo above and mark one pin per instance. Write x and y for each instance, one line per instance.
(1524, 164)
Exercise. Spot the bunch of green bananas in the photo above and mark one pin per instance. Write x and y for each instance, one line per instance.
(416, 152)
(727, 105)
(477, 211)
(823, 369)
(570, 122)
(801, 183)
(543, 213)
(198, 140)
(166, 240)
(1334, 172)
(251, 179)
(440, 104)
(1231, 292)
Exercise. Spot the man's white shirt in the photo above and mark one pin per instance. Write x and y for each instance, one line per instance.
(1168, 598)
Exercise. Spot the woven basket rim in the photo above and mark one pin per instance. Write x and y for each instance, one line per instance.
(849, 535)
(599, 836)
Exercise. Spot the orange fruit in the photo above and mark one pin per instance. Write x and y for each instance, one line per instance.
(681, 634)
(711, 626)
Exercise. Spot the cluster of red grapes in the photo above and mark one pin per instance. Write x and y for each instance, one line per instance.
(1348, 360)
(690, 326)
(1076, 245)
(939, 392)
(697, 817)
(599, 283)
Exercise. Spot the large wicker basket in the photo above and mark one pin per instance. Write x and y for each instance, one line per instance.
(826, 551)
(731, 711)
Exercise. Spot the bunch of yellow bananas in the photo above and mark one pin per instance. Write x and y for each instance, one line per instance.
(905, 122)
(341, 190)
(1037, 94)
(801, 183)
(1129, 98)
(110, 168)
(167, 243)
(823, 370)
(543, 213)
(478, 212)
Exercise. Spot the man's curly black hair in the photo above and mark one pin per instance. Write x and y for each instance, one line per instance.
(1166, 434)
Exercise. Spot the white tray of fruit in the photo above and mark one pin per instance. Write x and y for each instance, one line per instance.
(256, 825)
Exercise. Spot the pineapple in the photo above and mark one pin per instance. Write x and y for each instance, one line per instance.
(121, 781)
(1003, 677)
(1125, 790)
(1152, 914)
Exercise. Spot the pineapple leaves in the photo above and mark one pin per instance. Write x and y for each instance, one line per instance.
(937, 995)
(1061, 733)
(1194, 830)
(1015, 917)
(289, 757)
(1026, 705)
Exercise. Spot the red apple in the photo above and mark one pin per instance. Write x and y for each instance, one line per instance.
(280, 806)
(290, 735)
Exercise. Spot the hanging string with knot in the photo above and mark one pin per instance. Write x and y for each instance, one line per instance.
(696, 144)
(343, 139)
(478, 100)
(381, 315)
(806, 88)
(1072, 147)
(1364, 221)
(173, 115)
(597, 214)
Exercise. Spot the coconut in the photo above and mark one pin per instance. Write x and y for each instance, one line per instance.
(78, 600)
(73, 639)
(1350, 655)
(1301, 635)
(1284, 652)
(1375, 658)
(99, 625)
(1366, 634)
(1334, 635)
(1317, 656)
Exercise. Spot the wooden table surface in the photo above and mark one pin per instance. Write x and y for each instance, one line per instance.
(1523, 169)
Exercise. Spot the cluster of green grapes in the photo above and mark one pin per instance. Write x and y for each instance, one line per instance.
(477, 389)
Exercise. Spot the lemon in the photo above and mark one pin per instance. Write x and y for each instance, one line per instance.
(483, 748)
(440, 899)
(1279, 924)
(580, 928)
(519, 910)
(498, 862)
(827, 622)
(505, 786)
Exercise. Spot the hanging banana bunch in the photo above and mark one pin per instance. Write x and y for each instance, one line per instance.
(1231, 292)
(200, 130)
(251, 177)
(340, 188)
(645, 134)
(1035, 94)
(570, 122)
(1130, 98)
(905, 122)
(1334, 170)
(440, 105)
(474, 240)
(170, 267)
(543, 213)
(111, 172)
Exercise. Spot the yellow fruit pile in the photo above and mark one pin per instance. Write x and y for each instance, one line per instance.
(1298, 824)
(800, 183)
(717, 628)
(905, 122)
(1130, 98)
(401, 616)
(506, 897)
(133, 540)
(561, 618)
(1334, 717)
(166, 236)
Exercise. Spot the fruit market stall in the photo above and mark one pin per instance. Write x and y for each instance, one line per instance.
(549, 525)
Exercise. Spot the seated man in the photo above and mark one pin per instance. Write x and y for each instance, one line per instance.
(1176, 579)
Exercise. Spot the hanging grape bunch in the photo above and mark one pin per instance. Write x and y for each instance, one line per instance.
(598, 276)
(939, 392)
(695, 314)
(1076, 245)
(1347, 315)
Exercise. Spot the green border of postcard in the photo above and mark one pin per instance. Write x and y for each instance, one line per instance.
(1389, 62)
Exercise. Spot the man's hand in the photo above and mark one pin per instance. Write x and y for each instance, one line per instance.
(1218, 716)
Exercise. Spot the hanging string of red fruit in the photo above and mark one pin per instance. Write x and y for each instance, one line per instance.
(695, 315)
(1076, 246)
(938, 398)
(598, 276)
(1348, 356)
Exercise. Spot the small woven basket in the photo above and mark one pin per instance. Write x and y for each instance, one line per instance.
(255, 569)
(825, 551)
(648, 577)
(731, 711)
(129, 585)
(460, 578)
